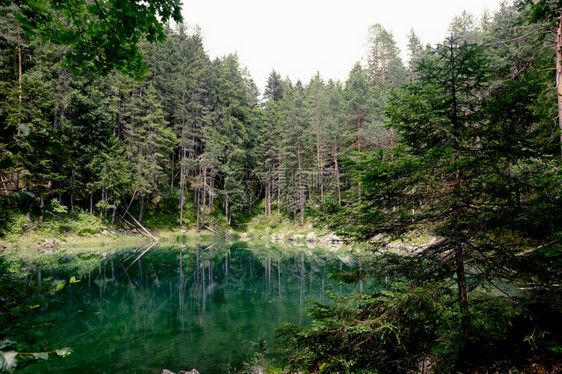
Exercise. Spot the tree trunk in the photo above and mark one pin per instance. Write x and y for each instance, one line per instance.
(197, 197)
(226, 210)
(559, 74)
(182, 183)
(114, 212)
(72, 179)
(204, 195)
(92, 203)
(172, 173)
(211, 194)
(41, 207)
(359, 150)
(268, 192)
(301, 187)
(20, 86)
(457, 230)
(279, 194)
(141, 209)
(319, 158)
(336, 166)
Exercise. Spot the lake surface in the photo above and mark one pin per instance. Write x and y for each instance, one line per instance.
(178, 306)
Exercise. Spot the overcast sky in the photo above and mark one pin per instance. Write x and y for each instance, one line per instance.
(297, 38)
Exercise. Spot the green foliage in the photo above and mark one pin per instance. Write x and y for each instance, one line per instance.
(109, 38)
(388, 331)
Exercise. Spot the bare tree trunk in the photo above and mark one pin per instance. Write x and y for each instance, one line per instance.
(101, 210)
(301, 187)
(204, 193)
(20, 99)
(73, 178)
(211, 195)
(279, 191)
(359, 148)
(182, 183)
(359, 134)
(92, 203)
(336, 166)
(197, 197)
(141, 209)
(226, 212)
(559, 75)
(41, 199)
(20, 86)
(319, 158)
(268, 192)
(172, 173)
(114, 213)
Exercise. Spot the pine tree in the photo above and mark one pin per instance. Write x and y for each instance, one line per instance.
(147, 142)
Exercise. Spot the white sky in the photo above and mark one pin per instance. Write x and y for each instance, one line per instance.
(297, 38)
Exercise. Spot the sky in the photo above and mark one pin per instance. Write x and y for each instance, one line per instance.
(299, 38)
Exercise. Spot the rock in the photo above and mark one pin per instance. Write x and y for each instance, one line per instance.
(296, 237)
(134, 231)
(166, 371)
(104, 232)
(309, 225)
(331, 238)
(267, 229)
(244, 237)
(311, 237)
(97, 235)
(182, 231)
(112, 232)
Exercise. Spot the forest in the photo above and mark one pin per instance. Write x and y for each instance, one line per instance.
(462, 141)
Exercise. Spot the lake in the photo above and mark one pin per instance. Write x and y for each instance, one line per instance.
(177, 306)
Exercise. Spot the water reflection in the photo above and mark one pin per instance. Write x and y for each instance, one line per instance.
(179, 307)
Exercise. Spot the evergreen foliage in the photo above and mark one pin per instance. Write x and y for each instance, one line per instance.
(461, 144)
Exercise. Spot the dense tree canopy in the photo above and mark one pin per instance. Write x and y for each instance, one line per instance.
(461, 145)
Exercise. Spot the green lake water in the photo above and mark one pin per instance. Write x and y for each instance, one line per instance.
(178, 306)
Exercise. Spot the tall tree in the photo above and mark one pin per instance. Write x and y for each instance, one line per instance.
(384, 65)
(415, 51)
(548, 13)
(148, 142)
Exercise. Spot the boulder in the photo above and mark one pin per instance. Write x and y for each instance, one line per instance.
(311, 237)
